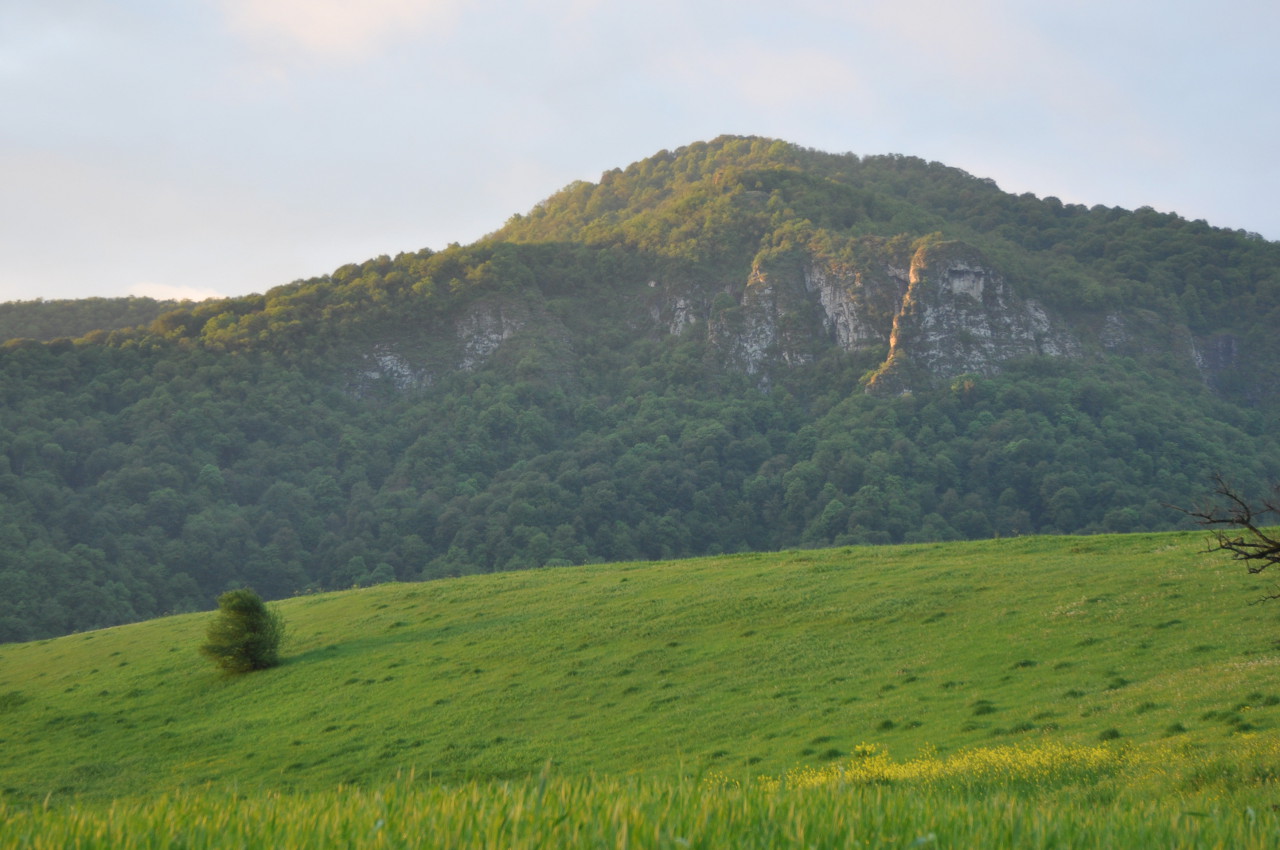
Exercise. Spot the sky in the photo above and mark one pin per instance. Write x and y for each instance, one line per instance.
(203, 148)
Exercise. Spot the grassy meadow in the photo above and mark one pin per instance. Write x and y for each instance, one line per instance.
(1044, 691)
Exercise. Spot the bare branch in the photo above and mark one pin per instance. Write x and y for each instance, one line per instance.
(1237, 528)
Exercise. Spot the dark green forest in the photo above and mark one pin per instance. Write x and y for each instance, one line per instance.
(45, 320)
(352, 429)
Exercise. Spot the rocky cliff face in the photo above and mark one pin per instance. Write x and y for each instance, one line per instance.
(771, 320)
(789, 312)
(482, 329)
(858, 306)
(464, 342)
(928, 313)
(944, 313)
(959, 316)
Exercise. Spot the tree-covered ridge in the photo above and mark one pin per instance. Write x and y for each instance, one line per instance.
(264, 441)
(736, 193)
(45, 320)
(715, 210)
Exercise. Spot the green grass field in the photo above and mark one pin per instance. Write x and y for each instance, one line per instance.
(685, 704)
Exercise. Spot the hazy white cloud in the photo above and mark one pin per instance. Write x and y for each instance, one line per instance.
(991, 55)
(764, 75)
(336, 29)
(170, 292)
(74, 226)
(234, 145)
(979, 40)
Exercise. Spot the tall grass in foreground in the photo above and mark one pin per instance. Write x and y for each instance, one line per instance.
(1055, 796)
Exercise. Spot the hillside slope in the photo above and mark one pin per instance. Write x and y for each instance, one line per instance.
(46, 320)
(741, 345)
(748, 664)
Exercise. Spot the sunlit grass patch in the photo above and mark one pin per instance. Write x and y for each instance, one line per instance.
(1056, 795)
(871, 764)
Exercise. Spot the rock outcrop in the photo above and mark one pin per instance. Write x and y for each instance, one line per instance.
(928, 313)
(959, 316)
(501, 327)
(942, 313)
(772, 321)
(484, 327)
(858, 306)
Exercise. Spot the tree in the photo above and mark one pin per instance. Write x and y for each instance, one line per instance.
(245, 634)
(1238, 528)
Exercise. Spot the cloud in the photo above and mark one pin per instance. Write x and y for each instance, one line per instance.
(170, 292)
(979, 40)
(335, 29)
(74, 225)
(767, 77)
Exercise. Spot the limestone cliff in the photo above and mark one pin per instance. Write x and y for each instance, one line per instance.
(925, 312)
(941, 312)
(485, 329)
(959, 316)
(858, 306)
(772, 321)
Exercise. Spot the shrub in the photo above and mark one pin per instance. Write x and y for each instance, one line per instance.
(244, 635)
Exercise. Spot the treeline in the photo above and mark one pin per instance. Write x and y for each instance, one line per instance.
(45, 320)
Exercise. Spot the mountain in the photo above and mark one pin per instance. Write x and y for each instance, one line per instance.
(741, 345)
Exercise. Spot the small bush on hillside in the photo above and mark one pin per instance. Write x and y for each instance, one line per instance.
(245, 634)
(12, 701)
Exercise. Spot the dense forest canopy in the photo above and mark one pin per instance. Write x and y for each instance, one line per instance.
(46, 320)
(514, 403)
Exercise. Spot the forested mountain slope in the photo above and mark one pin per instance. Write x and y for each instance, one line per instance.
(41, 319)
(739, 345)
